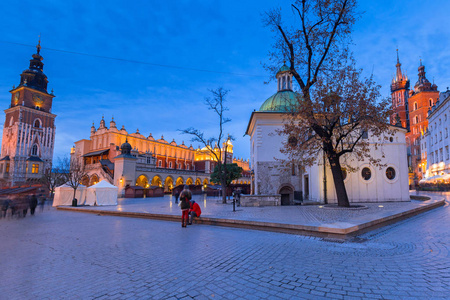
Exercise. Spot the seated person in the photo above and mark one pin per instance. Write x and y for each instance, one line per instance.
(195, 211)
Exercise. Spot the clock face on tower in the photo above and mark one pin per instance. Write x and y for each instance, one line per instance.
(38, 99)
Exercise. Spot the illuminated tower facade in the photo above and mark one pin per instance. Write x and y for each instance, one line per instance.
(399, 96)
(421, 99)
(29, 129)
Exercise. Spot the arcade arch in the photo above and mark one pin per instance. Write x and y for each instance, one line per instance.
(189, 181)
(93, 180)
(142, 181)
(168, 184)
(179, 181)
(198, 181)
(156, 181)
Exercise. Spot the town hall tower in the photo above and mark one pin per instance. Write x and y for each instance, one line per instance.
(29, 129)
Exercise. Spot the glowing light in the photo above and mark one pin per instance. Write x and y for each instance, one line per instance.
(380, 206)
(320, 206)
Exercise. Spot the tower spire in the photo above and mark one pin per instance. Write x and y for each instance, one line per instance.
(38, 47)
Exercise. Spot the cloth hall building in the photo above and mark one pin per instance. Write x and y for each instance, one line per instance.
(131, 159)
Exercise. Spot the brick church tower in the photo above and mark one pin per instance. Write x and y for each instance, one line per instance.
(29, 130)
(399, 95)
(421, 99)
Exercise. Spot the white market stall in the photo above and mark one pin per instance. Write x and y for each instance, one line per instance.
(102, 193)
(64, 195)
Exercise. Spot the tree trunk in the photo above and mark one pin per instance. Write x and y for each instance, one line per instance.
(339, 185)
(74, 192)
(223, 182)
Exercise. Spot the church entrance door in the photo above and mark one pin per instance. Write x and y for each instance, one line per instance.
(286, 193)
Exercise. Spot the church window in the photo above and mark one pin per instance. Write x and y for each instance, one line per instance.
(37, 124)
(160, 163)
(415, 105)
(390, 173)
(366, 173)
(34, 168)
(34, 150)
(446, 132)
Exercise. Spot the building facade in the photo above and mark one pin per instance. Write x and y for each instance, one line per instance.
(149, 162)
(276, 182)
(421, 99)
(436, 143)
(29, 131)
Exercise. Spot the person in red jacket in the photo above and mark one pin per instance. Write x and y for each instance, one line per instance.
(195, 211)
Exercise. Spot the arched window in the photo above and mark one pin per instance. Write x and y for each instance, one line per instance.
(170, 165)
(431, 102)
(416, 119)
(34, 150)
(37, 123)
(415, 105)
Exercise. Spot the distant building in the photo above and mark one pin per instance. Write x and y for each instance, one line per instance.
(29, 131)
(436, 143)
(399, 96)
(276, 182)
(410, 108)
(125, 159)
(421, 99)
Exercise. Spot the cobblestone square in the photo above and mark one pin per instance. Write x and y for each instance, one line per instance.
(68, 255)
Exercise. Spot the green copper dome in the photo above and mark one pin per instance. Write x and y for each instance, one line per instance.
(283, 68)
(283, 101)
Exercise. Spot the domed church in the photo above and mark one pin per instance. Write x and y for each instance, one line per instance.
(276, 182)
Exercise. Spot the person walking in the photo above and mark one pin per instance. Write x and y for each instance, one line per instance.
(177, 195)
(195, 211)
(185, 205)
(33, 204)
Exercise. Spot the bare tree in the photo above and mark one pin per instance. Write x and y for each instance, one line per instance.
(74, 172)
(53, 177)
(336, 107)
(216, 104)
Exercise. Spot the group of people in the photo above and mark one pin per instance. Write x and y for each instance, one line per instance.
(189, 208)
(19, 205)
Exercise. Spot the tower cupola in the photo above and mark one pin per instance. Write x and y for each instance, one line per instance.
(284, 78)
(33, 76)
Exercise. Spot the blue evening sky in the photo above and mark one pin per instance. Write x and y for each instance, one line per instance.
(225, 37)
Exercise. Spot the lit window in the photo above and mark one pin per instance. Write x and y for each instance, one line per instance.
(7, 168)
(34, 168)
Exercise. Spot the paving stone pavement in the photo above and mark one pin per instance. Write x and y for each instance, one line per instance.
(67, 255)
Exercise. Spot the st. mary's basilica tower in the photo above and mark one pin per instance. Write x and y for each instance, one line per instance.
(29, 130)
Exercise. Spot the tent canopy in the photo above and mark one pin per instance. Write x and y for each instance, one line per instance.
(102, 193)
(64, 195)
